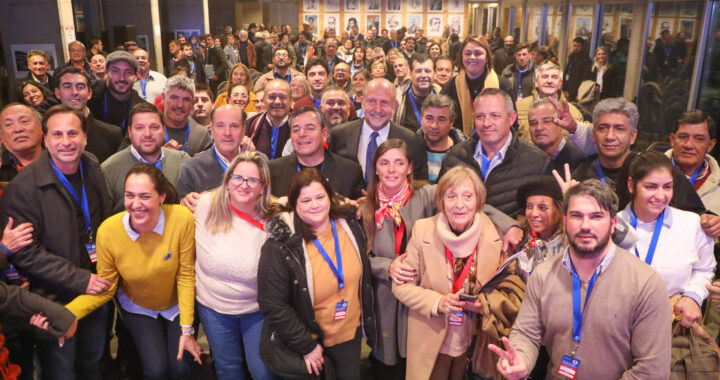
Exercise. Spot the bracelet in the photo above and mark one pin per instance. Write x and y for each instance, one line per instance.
(188, 330)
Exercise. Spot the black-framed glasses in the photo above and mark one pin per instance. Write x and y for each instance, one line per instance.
(250, 181)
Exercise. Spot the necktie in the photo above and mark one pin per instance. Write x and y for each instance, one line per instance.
(372, 147)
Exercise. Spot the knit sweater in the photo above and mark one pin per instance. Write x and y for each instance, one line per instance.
(155, 271)
(626, 330)
(226, 263)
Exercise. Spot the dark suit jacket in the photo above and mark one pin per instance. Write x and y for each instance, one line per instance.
(388, 45)
(216, 57)
(103, 139)
(346, 137)
(570, 154)
(345, 176)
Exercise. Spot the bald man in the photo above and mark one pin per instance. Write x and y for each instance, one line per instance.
(269, 130)
(149, 84)
(358, 140)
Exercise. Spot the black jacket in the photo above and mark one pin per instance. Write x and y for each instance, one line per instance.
(523, 163)
(345, 176)
(103, 139)
(509, 80)
(576, 71)
(115, 115)
(570, 154)
(284, 294)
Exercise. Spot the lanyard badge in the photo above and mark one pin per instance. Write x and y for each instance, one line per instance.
(570, 364)
(342, 306)
(456, 318)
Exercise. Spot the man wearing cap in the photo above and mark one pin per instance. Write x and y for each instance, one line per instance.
(112, 98)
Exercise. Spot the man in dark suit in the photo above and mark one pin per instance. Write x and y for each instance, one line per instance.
(391, 43)
(308, 135)
(358, 140)
(216, 58)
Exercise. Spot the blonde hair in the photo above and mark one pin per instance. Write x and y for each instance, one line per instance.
(219, 218)
(454, 177)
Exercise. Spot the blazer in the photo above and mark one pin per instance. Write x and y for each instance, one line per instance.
(216, 57)
(103, 139)
(345, 176)
(426, 254)
(346, 137)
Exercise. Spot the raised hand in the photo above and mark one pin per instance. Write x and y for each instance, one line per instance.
(510, 364)
(566, 183)
(562, 117)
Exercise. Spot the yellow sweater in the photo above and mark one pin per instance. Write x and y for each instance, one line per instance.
(146, 274)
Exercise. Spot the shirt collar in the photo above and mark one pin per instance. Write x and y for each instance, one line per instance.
(367, 131)
(276, 126)
(159, 227)
(222, 158)
(138, 157)
(600, 268)
(47, 78)
(500, 154)
(667, 216)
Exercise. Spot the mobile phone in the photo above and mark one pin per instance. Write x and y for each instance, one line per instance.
(468, 298)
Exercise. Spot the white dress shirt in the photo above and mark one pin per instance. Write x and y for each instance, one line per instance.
(496, 159)
(365, 140)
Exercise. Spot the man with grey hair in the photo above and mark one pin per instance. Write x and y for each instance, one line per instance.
(181, 131)
(548, 136)
(438, 114)
(412, 93)
(38, 67)
(634, 343)
(548, 84)
(77, 58)
(21, 135)
(503, 160)
(246, 49)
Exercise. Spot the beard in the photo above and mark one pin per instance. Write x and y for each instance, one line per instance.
(589, 251)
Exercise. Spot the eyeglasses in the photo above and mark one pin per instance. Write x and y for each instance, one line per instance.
(251, 181)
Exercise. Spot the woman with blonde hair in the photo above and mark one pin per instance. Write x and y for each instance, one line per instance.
(300, 88)
(378, 69)
(239, 74)
(229, 233)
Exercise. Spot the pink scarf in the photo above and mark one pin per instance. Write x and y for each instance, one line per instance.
(390, 205)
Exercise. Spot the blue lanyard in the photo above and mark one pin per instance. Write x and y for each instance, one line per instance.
(339, 269)
(414, 105)
(222, 164)
(317, 102)
(288, 77)
(601, 174)
(143, 85)
(393, 44)
(696, 173)
(192, 69)
(577, 313)
(187, 134)
(655, 236)
(106, 115)
(274, 140)
(82, 202)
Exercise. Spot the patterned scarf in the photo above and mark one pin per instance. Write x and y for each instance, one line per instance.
(390, 205)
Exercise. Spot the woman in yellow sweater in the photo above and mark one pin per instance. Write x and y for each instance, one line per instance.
(148, 253)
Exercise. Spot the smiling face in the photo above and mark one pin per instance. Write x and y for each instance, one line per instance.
(318, 79)
(227, 130)
(143, 60)
(32, 95)
(543, 131)
(239, 97)
(307, 135)
(436, 124)
(238, 76)
(313, 206)
(588, 226)
(20, 130)
(435, 51)
(393, 170)
(460, 205)
(65, 140)
(613, 136)
(542, 215)
(277, 100)
(178, 105)
(73, 91)
(474, 58)
(378, 103)
(77, 52)
(121, 76)
(492, 121)
(97, 64)
(421, 76)
(549, 82)
(443, 71)
(651, 194)
(690, 144)
(142, 202)
(249, 189)
(401, 68)
(38, 65)
(336, 107)
(147, 133)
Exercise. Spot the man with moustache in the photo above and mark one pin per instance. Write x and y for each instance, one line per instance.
(181, 131)
(443, 70)
(97, 64)
(308, 135)
(548, 136)
(63, 195)
(203, 105)
(21, 135)
(412, 94)
(281, 70)
(206, 170)
(146, 132)
(149, 83)
(113, 98)
(269, 130)
(601, 337)
(73, 90)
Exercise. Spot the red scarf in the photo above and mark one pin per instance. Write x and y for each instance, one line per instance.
(390, 205)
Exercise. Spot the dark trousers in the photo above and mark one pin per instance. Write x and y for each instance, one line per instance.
(157, 343)
(382, 371)
(346, 357)
(80, 356)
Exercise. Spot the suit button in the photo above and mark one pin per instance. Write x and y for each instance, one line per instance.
(304, 289)
(295, 282)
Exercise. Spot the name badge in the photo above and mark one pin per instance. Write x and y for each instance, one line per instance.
(90, 247)
(519, 96)
(456, 318)
(568, 367)
(341, 310)
(567, 77)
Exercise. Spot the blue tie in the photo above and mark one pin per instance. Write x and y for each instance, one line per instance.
(372, 147)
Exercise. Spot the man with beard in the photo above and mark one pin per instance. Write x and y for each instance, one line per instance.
(146, 131)
(73, 90)
(38, 66)
(206, 170)
(505, 55)
(203, 105)
(412, 94)
(308, 135)
(21, 135)
(281, 70)
(409, 50)
(608, 339)
(149, 83)
(269, 130)
(176, 55)
(181, 132)
(443, 70)
(438, 115)
(112, 98)
(578, 68)
(517, 80)
(194, 64)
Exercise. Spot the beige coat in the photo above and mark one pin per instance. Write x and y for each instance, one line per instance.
(426, 253)
(523, 114)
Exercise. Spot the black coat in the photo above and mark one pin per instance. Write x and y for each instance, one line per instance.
(345, 176)
(576, 71)
(284, 293)
(103, 139)
(216, 57)
(570, 154)
(115, 116)
(523, 163)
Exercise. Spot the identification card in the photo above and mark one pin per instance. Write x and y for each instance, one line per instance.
(568, 367)
(341, 310)
(90, 247)
(456, 318)
(519, 95)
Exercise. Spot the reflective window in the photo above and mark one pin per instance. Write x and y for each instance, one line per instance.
(709, 97)
(668, 65)
(535, 23)
(613, 39)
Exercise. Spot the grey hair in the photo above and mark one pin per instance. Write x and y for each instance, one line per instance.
(496, 91)
(77, 43)
(242, 31)
(539, 103)
(547, 66)
(180, 81)
(619, 105)
(38, 116)
(439, 101)
(602, 193)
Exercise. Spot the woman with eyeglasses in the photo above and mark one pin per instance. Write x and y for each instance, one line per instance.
(229, 232)
(239, 74)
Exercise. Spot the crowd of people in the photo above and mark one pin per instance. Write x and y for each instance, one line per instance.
(450, 203)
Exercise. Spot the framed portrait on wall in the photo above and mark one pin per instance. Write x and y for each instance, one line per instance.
(393, 21)
(666, 9)
(664, 24)
(414, 21)
(456, 22)
(311, 6)
(435, 5)
(414, 5)
(331, 6)
(583, 27)
(351, 19)
(372, 20)
(689, 9)
(373, 5)
(393, 5)
(456, 5)
(583, 10)
(142, 41)
(331, 20)
(312, 20)
(688, 27)
(434, 25)
(352, 5)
